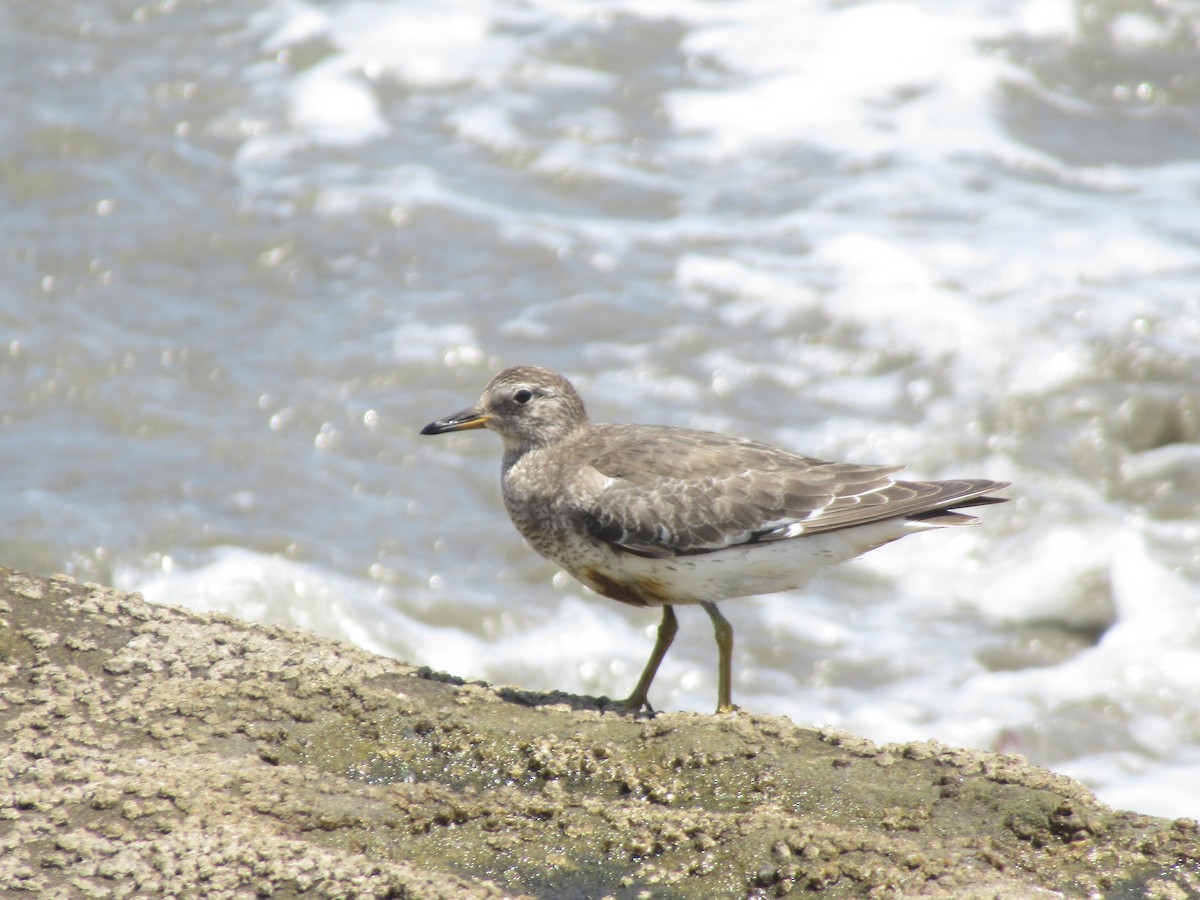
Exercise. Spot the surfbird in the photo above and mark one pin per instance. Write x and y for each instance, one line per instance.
(654, 515)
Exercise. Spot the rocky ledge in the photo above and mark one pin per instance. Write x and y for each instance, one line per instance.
(149, 751)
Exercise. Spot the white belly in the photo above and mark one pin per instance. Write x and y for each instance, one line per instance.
(762, 568)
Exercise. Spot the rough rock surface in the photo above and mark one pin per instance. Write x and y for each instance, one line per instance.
(148, 751)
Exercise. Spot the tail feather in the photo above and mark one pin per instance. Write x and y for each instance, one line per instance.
(942, 518)
(945, 516)
(980, 501)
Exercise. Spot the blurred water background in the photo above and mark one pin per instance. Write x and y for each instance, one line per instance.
(250, 248)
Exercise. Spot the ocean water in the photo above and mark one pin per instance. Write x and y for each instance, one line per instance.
(250, 248)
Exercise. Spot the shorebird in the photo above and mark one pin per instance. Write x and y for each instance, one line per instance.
(655, 515)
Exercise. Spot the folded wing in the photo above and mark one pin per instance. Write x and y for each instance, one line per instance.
(652, 499)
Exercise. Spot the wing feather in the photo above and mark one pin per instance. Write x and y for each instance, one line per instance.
(657, 495)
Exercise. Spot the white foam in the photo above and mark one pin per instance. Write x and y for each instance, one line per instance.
(1156, 608)
(426, 44)
(1063, 576)
(916, 311)
(1137, 31)
(1169, 791)
(803, 78)
(760, 296)
(333, 105)
(421, 343)
(267, 589)
(274, 590)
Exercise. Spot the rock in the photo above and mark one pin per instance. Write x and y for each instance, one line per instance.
(149, 751)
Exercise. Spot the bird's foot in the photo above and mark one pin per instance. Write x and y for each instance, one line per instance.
(633, 705)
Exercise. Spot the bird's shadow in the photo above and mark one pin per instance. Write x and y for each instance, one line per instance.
(534, 699)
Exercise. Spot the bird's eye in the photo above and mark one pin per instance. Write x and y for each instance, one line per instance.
(523, 396)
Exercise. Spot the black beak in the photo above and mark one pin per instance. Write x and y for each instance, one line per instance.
(463, 420)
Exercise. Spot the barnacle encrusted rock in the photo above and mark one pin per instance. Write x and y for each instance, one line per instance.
(148, 751)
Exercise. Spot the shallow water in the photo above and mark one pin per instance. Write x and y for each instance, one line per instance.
(251, 248)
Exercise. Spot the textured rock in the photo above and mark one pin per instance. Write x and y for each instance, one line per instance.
(149, 751)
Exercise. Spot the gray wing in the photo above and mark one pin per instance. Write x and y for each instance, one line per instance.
(670, 492)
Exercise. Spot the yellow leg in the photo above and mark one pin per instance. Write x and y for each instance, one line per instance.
(666, 633)
(724, 634)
